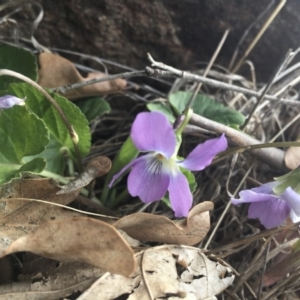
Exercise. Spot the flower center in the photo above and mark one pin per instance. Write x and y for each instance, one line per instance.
(160, 157)
(160, 164)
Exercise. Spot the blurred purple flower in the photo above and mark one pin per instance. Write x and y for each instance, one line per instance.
(158, 171)
(271, 209)
(9, 101)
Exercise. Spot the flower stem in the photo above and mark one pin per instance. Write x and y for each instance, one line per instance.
(113, 203)
(187, 115)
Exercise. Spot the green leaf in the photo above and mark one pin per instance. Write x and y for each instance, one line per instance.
(207, 108)
(54, 155)
(37, 165)
(22, 134)
(18, 60)
(160, 107)
(60, 140)
(291, 179)
(94, 107)
(127, 153)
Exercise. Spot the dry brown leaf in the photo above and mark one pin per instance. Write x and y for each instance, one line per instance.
(30, 226)
(78, 239)
(56, 71)
(149, 227)
(19, 217)
(49, 281)
(165, 272)
(292, 157)
(36, 188)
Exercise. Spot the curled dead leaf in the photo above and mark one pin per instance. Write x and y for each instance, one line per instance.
(98, 166)
(165, 272)
(56, 71)
(149, 227)
(78, 239)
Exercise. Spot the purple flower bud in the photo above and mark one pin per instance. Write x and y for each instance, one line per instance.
(178, 121)
(9, 101)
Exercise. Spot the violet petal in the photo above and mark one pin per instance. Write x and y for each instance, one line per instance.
(9, 101)
(293, 199)
(130, 165)
(204, 153)
(180, 194)
(266, 188)
(271, 213)
(148, 179)
(151, 131)
(248, 196)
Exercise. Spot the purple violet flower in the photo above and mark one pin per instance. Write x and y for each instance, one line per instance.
(9, 101)
(158, 171)
(271, 209)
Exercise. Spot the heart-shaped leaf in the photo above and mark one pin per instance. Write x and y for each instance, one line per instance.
(207, 108)
(18, 60)
(93, 108)
(22, 134)
(60, 141)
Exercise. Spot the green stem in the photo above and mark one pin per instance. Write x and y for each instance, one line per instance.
(55, 176)
(187, 115)
(123, 195)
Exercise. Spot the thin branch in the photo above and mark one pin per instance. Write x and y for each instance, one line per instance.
(268, 86)
(125, 75)
(255, 264)
(211, 62)
(172, 72)
(227, 248)
(297, 117)
(264, 269)
(247, 31)
(226, 209)
(272, 156)
(259, 35)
